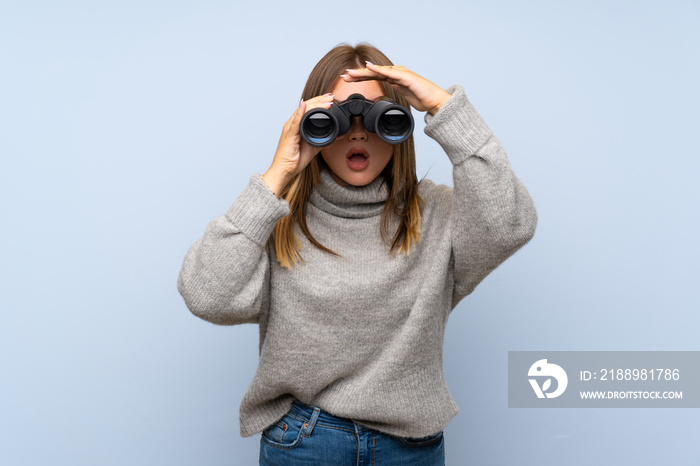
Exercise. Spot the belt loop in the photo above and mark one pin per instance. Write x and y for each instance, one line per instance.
(309, 426)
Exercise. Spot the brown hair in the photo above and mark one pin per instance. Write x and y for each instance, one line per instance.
(403, 201)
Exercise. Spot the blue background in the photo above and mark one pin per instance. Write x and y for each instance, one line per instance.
(125, 127)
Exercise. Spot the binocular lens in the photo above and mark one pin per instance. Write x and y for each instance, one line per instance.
(394, 125)
(319, 127)
(389, 120)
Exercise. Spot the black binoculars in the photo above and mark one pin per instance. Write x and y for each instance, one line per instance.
(389, 120)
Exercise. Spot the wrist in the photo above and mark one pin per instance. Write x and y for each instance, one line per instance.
(276, 180)
(446, 96)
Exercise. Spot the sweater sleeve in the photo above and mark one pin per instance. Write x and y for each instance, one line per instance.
(492, 214)
(225, 274)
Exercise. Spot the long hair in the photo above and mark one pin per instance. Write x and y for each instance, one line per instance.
(403, 202)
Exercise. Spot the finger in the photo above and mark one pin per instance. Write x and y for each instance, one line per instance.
(321, 101)
(390, 76)
(362, 74)
(393, 74)
(325, 105)
(321, 98)
(299, 112)
(307, 151)
(292, 125)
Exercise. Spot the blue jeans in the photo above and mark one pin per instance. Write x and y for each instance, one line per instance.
(308, 436)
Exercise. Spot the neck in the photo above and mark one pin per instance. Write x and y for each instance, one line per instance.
(338, 179)
(345, 200)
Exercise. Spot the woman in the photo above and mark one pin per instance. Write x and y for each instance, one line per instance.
(351, 267)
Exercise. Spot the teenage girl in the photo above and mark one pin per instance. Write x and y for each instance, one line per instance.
(351, 266)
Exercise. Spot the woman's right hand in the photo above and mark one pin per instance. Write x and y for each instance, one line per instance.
(293, 154)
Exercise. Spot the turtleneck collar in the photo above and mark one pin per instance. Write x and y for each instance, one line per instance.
(349, 201)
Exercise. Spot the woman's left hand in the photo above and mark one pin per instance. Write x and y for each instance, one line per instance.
(422, 94)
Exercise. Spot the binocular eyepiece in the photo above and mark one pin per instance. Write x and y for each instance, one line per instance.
(390, 121)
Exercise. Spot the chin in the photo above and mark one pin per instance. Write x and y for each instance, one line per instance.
(355, 179)
(344, 175)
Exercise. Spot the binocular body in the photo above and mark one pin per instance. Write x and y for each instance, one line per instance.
(392, 122)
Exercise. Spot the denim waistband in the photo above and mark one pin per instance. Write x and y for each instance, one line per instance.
(307, 412)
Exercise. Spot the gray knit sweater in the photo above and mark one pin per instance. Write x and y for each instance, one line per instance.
(361, 335)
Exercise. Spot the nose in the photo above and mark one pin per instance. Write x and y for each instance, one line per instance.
(357, 131)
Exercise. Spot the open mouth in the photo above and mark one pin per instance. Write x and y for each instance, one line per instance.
(357, 158)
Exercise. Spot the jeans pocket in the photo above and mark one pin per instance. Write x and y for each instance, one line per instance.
(285, 433)
(422, 441)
